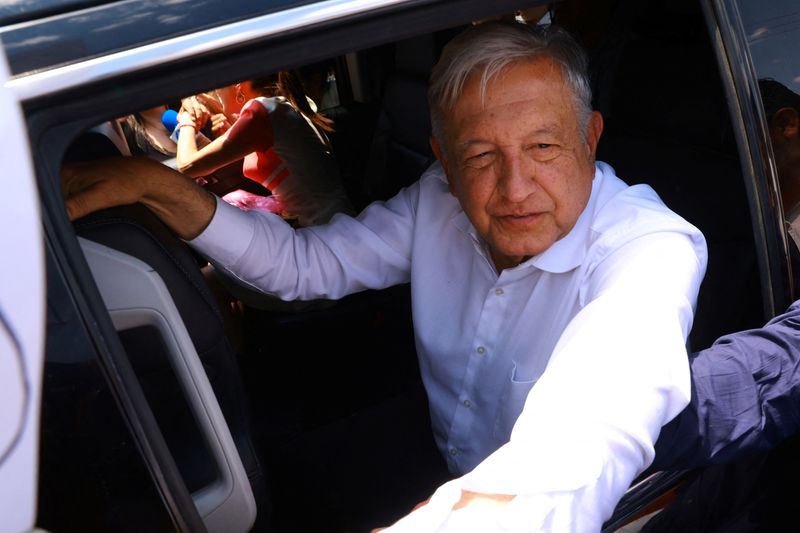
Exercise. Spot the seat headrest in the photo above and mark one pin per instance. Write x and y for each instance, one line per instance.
(670, 92)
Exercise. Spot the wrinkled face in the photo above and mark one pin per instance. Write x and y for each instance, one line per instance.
(517, 162)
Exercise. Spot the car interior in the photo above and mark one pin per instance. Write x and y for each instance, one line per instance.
(324, 401)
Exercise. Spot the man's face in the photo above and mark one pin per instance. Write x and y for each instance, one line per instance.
(784, 131)
(517, 161)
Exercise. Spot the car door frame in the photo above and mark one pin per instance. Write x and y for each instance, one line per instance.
(57, 109)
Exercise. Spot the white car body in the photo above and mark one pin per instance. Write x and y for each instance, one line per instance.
(23, 316)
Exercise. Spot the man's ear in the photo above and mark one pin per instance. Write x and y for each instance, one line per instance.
(785, 120)
(594, 129)
(439, 153)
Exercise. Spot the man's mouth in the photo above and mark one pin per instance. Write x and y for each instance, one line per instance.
(520, 219)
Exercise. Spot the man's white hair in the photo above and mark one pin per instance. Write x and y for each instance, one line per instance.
(492, 46)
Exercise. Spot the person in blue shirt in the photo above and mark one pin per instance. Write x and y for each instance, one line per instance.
(745, 392)
(741, 428)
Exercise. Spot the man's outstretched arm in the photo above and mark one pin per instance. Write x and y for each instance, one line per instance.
(176, 199)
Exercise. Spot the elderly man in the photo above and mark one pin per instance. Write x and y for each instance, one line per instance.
(551, 301)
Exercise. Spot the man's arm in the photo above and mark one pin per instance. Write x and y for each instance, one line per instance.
(176, 199)
(618, 373)
(745, 397)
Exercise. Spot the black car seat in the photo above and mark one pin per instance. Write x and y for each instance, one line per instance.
(667, 124)
(134, 230)
(400, 150)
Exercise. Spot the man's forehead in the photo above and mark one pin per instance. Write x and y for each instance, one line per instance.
(517, 81)
(521, 88)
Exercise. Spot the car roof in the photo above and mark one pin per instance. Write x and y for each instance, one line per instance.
(47, 33)
(21, 11)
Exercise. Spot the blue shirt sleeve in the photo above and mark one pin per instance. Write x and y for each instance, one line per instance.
(745, 397)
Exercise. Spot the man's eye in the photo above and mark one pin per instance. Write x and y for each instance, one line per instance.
(543, 151)
(479, 159)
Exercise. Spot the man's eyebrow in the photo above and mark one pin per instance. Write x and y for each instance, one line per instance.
(472, 142)
(549, 129)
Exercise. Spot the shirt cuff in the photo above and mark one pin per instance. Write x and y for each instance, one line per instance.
(227, 237)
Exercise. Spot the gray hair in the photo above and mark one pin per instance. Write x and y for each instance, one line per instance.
(493, 46)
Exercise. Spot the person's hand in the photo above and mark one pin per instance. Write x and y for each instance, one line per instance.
(453, 510)
(175, 198)
(481, 500)
(219, 124)
(195, 110)
(220, 120)
(93, 185)
(213, 105)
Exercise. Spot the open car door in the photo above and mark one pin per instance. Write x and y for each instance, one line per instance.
(21, 319)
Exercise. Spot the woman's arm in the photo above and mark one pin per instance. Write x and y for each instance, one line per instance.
(196, 162)
(251, 132)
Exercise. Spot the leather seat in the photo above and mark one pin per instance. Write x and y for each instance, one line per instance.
(668, 125)
(134, 230)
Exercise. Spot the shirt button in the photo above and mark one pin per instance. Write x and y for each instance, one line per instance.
(467, 403)
(499, 292)
(453, 452)
(481, 350)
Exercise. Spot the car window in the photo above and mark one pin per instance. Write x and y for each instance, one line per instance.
(85, 33)
(772, 33)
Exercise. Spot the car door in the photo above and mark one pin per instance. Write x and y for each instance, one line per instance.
(21, 320)
(105, 464)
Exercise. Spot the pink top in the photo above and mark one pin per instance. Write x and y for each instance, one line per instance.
(291, 158)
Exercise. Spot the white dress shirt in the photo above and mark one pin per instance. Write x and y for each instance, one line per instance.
(550, 380)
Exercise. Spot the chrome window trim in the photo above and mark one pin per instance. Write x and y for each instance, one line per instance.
(755, 151)
(52, 81)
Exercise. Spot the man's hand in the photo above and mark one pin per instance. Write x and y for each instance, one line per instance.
(173, 197)
(477, 505)
(478, 500)
(93, 185)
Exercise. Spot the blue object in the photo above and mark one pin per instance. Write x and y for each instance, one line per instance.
(170, 119)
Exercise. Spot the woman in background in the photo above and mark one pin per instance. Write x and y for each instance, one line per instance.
(283, 140)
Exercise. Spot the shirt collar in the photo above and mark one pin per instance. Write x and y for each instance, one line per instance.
(565, 254)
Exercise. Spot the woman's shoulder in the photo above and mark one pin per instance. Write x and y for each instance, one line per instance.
(273, 104)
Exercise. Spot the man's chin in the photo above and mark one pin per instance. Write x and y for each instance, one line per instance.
(510, 257)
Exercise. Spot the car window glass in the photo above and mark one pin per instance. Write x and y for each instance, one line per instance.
(772, 32)
(70, 37)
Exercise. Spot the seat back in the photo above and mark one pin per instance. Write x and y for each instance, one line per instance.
(135, 231)
(668, 125)
(400, 150)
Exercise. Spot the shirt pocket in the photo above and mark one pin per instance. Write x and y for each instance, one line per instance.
(512, 399)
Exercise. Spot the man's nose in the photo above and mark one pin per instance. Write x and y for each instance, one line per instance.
(517, 180)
